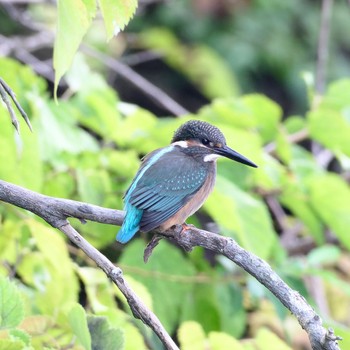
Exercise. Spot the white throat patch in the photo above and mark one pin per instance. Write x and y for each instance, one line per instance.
(182, 144)
(211, 157)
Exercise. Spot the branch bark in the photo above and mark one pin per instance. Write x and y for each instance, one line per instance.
(56, 211)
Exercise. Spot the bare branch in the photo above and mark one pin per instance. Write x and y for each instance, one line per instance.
(138, 81)
(6, 91)
(56, 211)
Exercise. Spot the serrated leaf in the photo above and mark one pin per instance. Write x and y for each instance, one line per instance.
(73, 21)
(191, 336)
(11, 305)
(103, 336)
(78, 322)
(18, 334)
(117, 14)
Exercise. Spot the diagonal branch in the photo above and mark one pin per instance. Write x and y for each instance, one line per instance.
(56, 211)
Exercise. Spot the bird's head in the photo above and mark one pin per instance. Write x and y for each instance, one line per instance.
(196, 133)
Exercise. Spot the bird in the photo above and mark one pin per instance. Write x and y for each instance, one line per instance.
(173, 182)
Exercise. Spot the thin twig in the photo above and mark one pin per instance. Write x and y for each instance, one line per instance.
(138, 81)
(6, 91)
(56, 211)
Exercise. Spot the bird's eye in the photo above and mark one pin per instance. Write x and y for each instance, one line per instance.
(205, 142)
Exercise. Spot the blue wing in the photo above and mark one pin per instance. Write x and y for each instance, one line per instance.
(165, 182)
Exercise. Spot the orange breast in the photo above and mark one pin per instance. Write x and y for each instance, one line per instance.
(194, 203)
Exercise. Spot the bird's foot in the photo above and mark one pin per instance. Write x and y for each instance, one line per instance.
(185, 227)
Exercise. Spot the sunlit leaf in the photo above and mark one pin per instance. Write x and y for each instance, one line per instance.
(116, 14)
(191, 336)
(73, 21)
(331, 129)
(220, 341)
(8, 344)
(266, 339)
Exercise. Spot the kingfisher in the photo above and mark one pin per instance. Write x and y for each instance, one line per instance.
(173, 182)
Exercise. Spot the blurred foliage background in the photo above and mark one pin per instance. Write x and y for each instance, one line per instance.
(248, 67)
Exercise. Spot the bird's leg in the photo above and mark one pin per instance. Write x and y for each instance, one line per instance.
(185, 227)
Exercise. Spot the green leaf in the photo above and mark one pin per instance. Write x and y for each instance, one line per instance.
(103, 336)
(266, 113)
(59, 132)
(116, 14)
(330, 198)
(327, 254)
(11, 305)
(8, 344)
(219, 341)
(191, 336)
(265, 339)
(201, 306)
(232, 314)
(241, 216)
(73, 21)
(298, 201)
(166, 276)
(78, 322)
(18, 334)
(331, 128)
(93, 185)
(19, 157)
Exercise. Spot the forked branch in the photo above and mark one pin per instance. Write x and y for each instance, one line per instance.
(56, 211)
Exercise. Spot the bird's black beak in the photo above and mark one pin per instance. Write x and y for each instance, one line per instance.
(228, 152)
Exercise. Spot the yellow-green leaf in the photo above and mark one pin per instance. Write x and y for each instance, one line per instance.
(74, 19)
(191, 336)
(117, 14)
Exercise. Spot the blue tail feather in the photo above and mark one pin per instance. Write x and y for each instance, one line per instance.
(131, 224)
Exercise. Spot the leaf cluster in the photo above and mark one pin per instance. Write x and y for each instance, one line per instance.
(291, 211)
